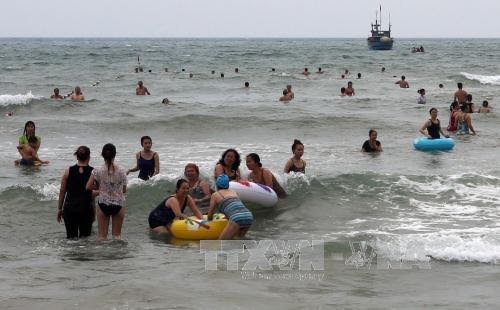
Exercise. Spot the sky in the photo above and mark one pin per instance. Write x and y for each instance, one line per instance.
(249, 18)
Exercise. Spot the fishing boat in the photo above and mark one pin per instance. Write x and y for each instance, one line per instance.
(380, 39)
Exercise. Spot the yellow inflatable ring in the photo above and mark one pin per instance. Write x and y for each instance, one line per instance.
(187, 229)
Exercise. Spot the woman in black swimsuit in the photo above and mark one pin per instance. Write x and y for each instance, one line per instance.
(296, 163)
(372, 145)
(432, 126)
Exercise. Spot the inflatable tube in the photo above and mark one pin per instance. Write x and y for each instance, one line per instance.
(254, 193)
(189, 230)
(426, 144)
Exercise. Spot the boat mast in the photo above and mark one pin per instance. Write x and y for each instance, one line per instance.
(381, 16)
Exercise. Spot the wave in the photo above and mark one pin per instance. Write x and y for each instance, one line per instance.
(483, 79)
(20, 99)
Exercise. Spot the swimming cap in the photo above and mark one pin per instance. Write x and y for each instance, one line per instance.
(222, 181)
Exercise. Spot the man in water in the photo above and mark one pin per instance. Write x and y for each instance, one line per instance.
(77, 95)
(320, 71)
(28, 153)
(359, 76)
(306, 72)
(484, 108)
(247, 85)
(460, 95)
(402, 83)
(141, 90)
(291, 94)
(342, 92)
(56, 94)
(286, 96)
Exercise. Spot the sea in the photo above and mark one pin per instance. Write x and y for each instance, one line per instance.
(402, 229)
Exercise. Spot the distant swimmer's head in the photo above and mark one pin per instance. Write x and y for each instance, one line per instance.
(440, 85)
(165, 101)
(78, 90)
(190, 75)
(182, 186)
(56, 91)
(82, 153)
(29, 128)
(460, 85)
(421, 91)
(236, 70)
(166, 69)
(141, 69)
(183, 70)
(346, 71)
(485, 103)
(342, 90)
(469, 97)
(146, 142)
(372, 134)
(213, 71)
(359, 75)
(149, 71)
(222, 75)
(108, 153)
(383, 69)
(222, 182)
(253, 161)
(273, 69)
(136, 70)
(247, 85)
(297, 148)
(306, 69)
(140, 83)
(319, 69)
(342, 76)
(403, 77)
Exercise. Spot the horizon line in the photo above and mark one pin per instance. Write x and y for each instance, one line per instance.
(229, 37)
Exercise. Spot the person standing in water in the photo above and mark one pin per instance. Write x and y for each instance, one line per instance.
(403, 83)
(141, 90)
(262, 175)
(56, 94)
(77, 95)
(111, 182)
(432, 127)
(75, 201)
(460, 95)
(349, 91)
(372, 145)
(484, 108)
(29, 131)
(228, 203)
(296, 163)
(147, 161)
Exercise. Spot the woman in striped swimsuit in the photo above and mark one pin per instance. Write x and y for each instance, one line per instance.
(240, 218)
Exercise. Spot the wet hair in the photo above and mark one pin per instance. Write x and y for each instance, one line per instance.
(56, 90)
(165, 101)
(255, 158)
(319, 69)
(183, 70)
(191, 165)
(247, 84)
(213, 71)
(342, 90)
(222, 75)
(145, 138)
(371, 131)
(485, 103)
(139, 83)
(82, 153)
(305, 69)
(26, 126)
(296, 142)
(432, 109)
(108, 153)
(32, 139)
(383, 69)
(78, 90)
(285, 92)
(237, 160)
(453, 105)
(179, 184)
(273, 69)
(403, 77)
(460, 85)
(469, 97)
(440, 85)
(359, 75)
(236, 69)
(349, 83)
(342, 76)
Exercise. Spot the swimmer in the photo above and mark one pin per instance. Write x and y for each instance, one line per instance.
(213, 71)
(346, 72)
(199, 189)
(236, 70)
(261, 175)
(166, 101)
(190, 75)
(403, 83)
(452, 123)
(383, 69)
(77, 95)
(484, 108)
(222, 75)
(29, 154)
(9, 113)
(56, 94)
(372, 145)
(150, 71)
(342, 76)
(247, 85)
(460, 95)
(441, 86)
(141, 90)
(183, 70)
(291, 94)
(136, 70)
(296, 163)
(349, 91)
(96, 83)
(432, 126)
(141, 69)
(166, 69)
(421, 99)
(273, 69)
(469, 104)
(306, 72)
(342, 92)
(359, 76)
(320, 71)
(286, 96)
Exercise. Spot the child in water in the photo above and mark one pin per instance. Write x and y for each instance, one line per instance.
(28, 153)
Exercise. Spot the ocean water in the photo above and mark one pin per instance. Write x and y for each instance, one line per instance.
(437, 212)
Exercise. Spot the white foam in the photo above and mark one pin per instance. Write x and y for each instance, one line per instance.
(483, 79)
(18, 99)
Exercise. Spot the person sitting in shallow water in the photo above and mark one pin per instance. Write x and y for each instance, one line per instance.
(29, 154)
(161, 217)
(199, 189)
(296, 163)
(432, 127)
(262, 175)
(372, 144)
(484, 108)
